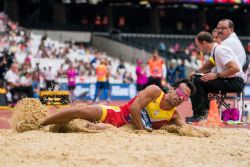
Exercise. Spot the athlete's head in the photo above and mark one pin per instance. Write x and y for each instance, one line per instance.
(180, 92)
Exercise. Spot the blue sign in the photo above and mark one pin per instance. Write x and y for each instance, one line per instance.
(86, 91)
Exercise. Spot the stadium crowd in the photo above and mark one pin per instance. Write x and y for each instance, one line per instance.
(30, 63)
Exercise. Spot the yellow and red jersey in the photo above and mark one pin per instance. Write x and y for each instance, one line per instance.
(119, 116)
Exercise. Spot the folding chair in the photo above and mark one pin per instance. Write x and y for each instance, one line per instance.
(221, 101)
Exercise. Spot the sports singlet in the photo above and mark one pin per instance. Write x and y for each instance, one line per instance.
(158, 117)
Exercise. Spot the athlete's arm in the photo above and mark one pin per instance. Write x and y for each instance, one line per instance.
(144, 97)
(178, 120)
(192, 131)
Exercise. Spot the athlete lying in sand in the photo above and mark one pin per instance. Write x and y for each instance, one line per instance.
(151, 109)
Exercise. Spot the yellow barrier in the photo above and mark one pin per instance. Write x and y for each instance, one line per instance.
(2, 91)
(54, 97)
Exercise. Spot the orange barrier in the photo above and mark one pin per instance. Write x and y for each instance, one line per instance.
(213, 118)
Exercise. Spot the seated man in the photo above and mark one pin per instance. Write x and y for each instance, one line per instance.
(13, 82)
(227, 78)
(157, 108)
(227, 36)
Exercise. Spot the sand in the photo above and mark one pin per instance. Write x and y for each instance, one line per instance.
(124, 147)
(28, 115)
(33, 145)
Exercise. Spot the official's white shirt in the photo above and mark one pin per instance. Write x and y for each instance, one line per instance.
(10, 76)
(223, 55)
(236, 46)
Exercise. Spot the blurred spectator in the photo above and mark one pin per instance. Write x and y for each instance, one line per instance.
(108, 88)
(180, 71)
(193, 28)
(122, 23)
(206, 27)
(217, 40)
(142, 79)
(3, 67)
(215, 36)
(71, 75)
(179, 26)
(248, 74)
(14, 82)
(174, 48)
(84, 21)
(61, 70)
(121, 70)
(10, 57)
(26, 79)
(36, 83)
(156, 69)
(171, 74)
(50, 78)
(98, 21)
(127, 78)
(248, 47)
(105, 23)
(101, 77)
(162, 49)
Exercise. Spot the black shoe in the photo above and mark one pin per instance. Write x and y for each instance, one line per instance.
(192, 119)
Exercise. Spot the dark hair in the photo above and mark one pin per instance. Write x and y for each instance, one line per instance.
(230, 23)
(188, 83)
(155, 51)
(205, 36)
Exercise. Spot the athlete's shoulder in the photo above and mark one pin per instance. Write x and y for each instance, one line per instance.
(153, 90)
(153, 87)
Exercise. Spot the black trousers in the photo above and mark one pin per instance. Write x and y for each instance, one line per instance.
(22, 89)
(50, 85)
(2, 83)
(140, 87)
(154, 81)
(200, 101)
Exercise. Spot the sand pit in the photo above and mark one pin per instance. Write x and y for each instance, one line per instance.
(125, 147)
(29, 113)
(171, 146)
